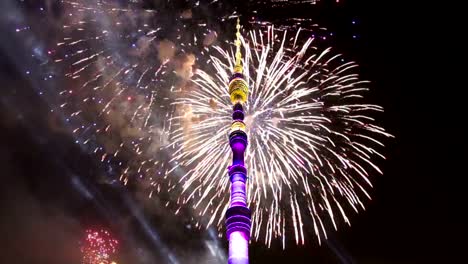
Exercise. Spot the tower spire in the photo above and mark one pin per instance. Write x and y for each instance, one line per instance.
(238, 67)
(238, 88)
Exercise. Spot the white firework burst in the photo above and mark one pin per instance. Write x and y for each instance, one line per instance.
(310, 137)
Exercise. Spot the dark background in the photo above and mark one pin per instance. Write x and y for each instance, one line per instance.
(414, 217)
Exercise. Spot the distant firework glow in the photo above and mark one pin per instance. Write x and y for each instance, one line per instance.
(98, 247)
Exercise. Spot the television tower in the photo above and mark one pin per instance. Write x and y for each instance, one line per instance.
(238, 214)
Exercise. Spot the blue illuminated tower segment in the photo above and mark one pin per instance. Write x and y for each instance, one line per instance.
(238, 216)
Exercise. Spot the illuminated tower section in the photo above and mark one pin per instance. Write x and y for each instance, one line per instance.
(238, 214)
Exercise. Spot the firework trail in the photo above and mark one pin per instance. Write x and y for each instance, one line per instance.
(311, 138)
(98, 247)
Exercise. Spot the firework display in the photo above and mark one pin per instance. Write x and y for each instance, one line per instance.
(133, 97)
(311, 139)
(98, 247)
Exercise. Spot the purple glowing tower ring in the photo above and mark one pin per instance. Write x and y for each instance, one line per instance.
(238, 219)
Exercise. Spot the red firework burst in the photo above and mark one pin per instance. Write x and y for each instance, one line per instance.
(98, 247)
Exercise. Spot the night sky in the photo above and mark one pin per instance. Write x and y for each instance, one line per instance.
(51, 189)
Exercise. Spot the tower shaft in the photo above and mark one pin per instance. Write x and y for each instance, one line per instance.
(238, 216)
